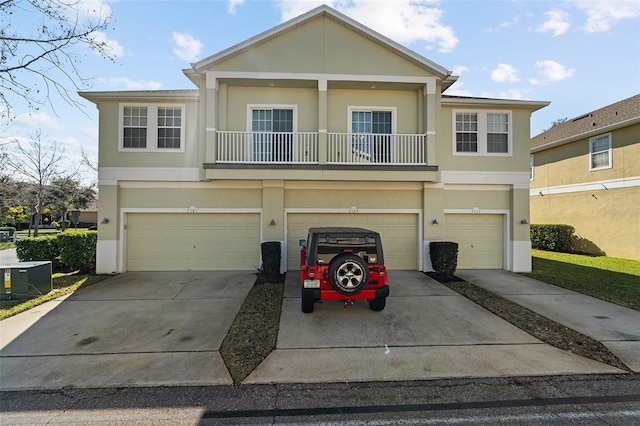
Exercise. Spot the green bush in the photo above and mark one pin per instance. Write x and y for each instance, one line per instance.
(78, 250)
(30, 249)
(271, 256)
(444, 257)
(552, 237)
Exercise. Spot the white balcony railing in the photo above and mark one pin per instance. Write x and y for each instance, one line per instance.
(268, 147)
(302, 148)
(376, 149)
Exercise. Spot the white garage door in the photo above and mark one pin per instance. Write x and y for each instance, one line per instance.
(479, 238)
(198, 241)
(398, 231)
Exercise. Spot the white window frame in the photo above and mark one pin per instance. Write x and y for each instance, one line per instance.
(609, 151)
(355, 108)
(152, 127)
(482, 133)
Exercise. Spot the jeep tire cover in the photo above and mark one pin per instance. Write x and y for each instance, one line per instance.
(348, 274)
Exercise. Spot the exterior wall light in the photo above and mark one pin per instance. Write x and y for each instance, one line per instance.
(272, 223)
(524, 222)
(434, 222)
(105, 220)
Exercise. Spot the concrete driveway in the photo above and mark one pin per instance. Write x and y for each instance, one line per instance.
(165, 329)
(134, 329)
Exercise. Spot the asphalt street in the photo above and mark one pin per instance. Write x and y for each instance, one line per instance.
(558, 400)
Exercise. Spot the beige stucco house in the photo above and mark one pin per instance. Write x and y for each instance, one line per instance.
(318, 121)
(585, 172)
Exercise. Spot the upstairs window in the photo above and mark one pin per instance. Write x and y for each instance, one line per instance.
(482, 133)
(600, 152)
(152, 127)
(371, 132)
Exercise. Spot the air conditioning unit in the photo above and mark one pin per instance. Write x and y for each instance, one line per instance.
(26, 279)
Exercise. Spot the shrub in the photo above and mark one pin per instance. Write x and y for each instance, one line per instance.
(444, 257)
(78, 250)
(271, 256)
(552, 237)
(30, 249)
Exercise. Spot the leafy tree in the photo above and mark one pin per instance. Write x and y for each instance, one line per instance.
(38, 55)
(66, 193)
(38, 162)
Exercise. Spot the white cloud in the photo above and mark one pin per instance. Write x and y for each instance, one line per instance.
(457, 89)
(232, 5)
(186, 47)
(505, 73)
(40, 120)
(459, 69)
(130, 84)
(111, 46)
(405, 21)
(553, 71)
(557, 23)
(603, 14)
(511, 94)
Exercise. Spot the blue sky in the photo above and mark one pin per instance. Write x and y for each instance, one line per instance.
(578, 54)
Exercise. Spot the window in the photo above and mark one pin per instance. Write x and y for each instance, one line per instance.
(531, 165)
(371, 132)
(272, 134)
(482, 133)
(600, 152)
(466, 132)
(152, 127)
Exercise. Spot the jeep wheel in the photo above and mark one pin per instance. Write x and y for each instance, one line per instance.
(348, 274)
(378, 304)
(307, 301)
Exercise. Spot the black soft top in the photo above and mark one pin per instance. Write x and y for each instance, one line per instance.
(341, 230)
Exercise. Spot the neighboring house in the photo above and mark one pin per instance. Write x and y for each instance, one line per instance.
(318, 121)
(585, 172)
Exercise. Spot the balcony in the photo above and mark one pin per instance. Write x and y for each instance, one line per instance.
(305, 148)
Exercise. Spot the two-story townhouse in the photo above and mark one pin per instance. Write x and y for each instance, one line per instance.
(318, 121)
(585, 172)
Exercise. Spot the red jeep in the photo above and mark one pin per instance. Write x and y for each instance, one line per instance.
(344, 264)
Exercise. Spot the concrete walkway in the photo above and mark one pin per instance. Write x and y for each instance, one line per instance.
(8, 257)
(616, 327)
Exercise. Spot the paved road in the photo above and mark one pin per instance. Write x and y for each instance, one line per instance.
(558, 400)
(8, 257)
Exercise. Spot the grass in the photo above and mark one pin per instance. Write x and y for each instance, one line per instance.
(608, 278)
(63, 284)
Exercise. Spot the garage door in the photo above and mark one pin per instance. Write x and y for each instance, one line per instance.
(178, 242)
(398, 232)
(479, 238)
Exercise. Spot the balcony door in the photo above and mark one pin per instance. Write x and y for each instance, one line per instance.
(272, 134)
(372, 134)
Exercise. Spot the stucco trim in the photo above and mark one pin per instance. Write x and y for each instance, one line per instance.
(603, 185)
(109, 175)
(484, 177)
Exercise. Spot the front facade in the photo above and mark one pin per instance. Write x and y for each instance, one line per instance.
(317, 122)
(585, 172)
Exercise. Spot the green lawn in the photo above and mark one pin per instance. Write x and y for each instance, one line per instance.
(608, 278)
(62, 285)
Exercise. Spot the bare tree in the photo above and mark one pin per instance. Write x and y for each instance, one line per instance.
(40, 163)
(37, 56)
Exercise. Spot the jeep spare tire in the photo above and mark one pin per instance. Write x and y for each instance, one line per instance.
(348, 274)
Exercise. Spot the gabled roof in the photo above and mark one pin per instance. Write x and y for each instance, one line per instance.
(619, 114)
(331, 13)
